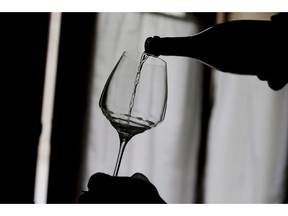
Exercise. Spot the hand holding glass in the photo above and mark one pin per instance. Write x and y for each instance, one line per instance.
(135, 96)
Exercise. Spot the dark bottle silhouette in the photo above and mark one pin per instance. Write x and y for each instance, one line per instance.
(252, 47)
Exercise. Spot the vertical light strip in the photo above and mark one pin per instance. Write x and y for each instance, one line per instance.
(42, 169)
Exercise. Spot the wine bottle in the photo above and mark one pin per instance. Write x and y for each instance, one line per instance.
(240, 47)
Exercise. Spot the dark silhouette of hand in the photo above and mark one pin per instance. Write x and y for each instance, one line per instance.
(107, 189)
(275, 81)
(277, 75)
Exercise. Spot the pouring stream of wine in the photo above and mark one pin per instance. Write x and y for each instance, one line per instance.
(143, 58)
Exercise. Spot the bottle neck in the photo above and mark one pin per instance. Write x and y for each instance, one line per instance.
(174, 46)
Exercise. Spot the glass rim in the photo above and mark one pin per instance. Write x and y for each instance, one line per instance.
(140, 53)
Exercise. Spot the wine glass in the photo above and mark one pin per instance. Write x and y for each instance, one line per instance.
(134, 97)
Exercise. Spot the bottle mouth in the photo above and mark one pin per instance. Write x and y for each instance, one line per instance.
(150, 46)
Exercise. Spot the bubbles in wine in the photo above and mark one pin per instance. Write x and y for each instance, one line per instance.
(126, 125)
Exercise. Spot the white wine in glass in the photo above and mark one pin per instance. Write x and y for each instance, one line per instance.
(134, 98)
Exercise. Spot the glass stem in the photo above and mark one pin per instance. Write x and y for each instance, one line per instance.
(123, 143)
